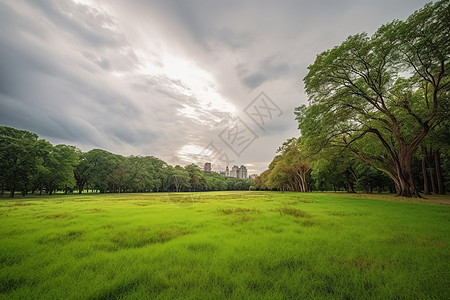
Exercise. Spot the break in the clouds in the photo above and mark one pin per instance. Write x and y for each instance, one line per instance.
(165, 78)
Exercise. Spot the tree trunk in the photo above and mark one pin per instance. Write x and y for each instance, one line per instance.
(350, 188)
(406, 187)
(439, 177)
(433, 182)
(426, 184)
(431, 171)
(11, 194)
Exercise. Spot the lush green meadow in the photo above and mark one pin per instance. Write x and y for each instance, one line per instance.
(260, 245)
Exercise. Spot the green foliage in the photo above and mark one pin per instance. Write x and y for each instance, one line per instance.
(30, 164)
(56, 171)
(287, 171)
(380, 96)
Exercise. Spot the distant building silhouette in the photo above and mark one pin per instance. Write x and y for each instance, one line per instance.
(236, 172)
(242, 172)
(207, 167)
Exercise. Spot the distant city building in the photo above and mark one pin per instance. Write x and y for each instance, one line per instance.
(242, 172)
(234, 171)
(253, 176)
(207, 167)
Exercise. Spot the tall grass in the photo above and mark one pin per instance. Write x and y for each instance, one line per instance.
(259, 245)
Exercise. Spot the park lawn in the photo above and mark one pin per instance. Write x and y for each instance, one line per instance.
(213, 245)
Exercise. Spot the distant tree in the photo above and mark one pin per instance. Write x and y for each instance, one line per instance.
(20, 153)
(279, 177)
(57, 168)
(119, 176)
(256, 183)
(82, 172)
(95, 169)
(288, 171)
(368, 178)
(180, 178)
(154, 168)
(196, 177)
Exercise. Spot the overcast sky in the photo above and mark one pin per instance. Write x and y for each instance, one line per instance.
(169, 78)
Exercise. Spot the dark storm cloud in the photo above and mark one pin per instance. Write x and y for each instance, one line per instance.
(270, 67)
(48, 90)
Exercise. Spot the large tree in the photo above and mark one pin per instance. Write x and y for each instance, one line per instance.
(21, 155)
(379, 96)
(57, 168)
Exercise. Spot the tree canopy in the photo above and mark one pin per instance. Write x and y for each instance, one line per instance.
(30, 164)
(379, 96)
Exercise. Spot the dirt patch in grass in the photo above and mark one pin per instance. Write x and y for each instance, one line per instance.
(232, 196)
(403, 239)
(58, 216)
(241, 220)
(306, 201)
(293, 212)
(142, 203)
(94, 210)
(24, 203)
(240, 213)
(303, 200)
(308, 223)
(237, 210)
(182, 198)
(347, 214)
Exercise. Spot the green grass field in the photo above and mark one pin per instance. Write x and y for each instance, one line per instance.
(259, 245)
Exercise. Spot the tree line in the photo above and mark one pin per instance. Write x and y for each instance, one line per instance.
(32, 165)
(378, 113)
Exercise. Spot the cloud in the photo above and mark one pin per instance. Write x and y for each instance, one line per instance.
(164, 78)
